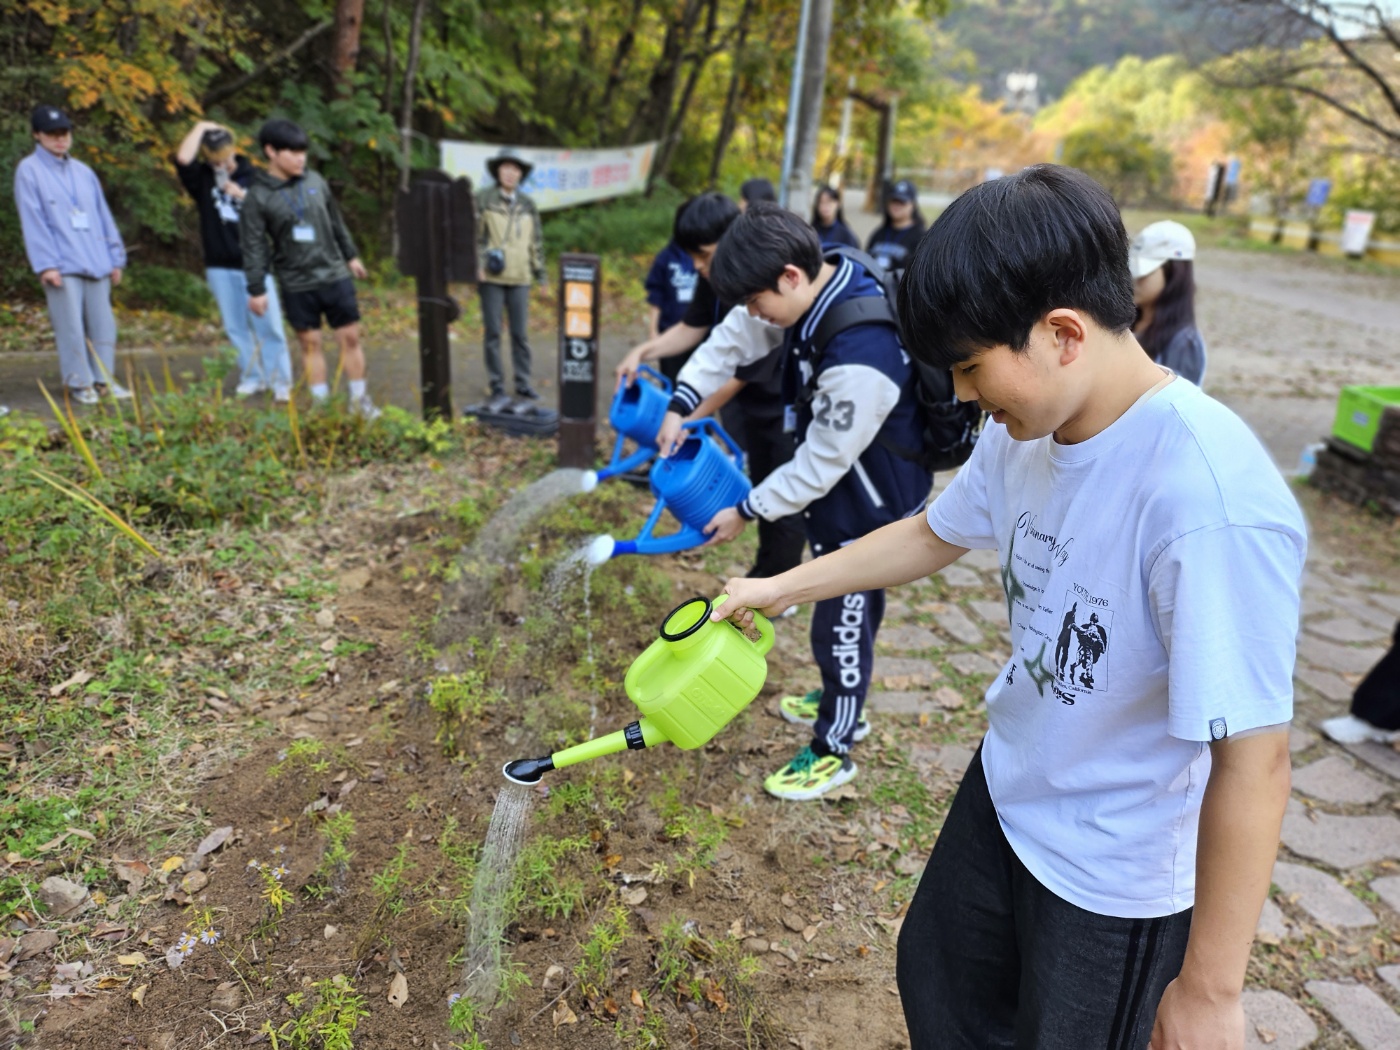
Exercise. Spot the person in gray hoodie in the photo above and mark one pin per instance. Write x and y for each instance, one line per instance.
(291, 221)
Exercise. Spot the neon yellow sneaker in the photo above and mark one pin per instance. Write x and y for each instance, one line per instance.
(809, 776)
(802, 710)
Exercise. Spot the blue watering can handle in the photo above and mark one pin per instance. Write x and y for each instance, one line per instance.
(665, 383)
(712, 424)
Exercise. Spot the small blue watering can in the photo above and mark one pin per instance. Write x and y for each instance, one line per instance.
(698, 481)
(637, 410)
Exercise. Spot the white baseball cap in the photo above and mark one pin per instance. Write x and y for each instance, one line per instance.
(1159, 243)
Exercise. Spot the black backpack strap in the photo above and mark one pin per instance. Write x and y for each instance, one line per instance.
(866, 309)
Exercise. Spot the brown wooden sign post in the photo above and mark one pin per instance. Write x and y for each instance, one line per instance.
(579, 279)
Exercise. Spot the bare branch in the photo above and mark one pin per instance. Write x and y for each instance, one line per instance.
(217, 95)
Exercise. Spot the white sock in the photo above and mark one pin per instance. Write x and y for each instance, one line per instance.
(320, 391)
(357, 388)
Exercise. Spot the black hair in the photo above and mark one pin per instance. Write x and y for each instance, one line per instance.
(1174, 309)
(1007, 252)
(703, 221)
(755, 190)
(834, 194)
(282, 134)
(754, 251)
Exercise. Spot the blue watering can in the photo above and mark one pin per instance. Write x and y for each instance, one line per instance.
(637, 410)
(698, 481)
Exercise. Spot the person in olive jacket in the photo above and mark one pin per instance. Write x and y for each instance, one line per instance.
(511, 249)
(291, 221)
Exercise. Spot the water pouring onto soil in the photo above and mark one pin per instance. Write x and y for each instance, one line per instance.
(494, 875)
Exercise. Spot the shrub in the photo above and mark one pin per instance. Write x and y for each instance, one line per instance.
(163, 288)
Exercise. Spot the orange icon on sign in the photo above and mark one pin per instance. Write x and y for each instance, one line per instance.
(578, 296)
(578, 324)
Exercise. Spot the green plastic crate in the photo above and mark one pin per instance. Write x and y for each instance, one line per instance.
(1359, 411)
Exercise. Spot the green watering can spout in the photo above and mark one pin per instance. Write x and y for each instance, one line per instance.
(688, 684)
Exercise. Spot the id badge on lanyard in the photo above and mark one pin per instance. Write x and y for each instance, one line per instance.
(304, 233)
(79, 219)
(789, 419)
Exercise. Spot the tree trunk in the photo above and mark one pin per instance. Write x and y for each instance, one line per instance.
(345, 46)
(728, 119)
(672, 133)
(410, 73)
(809, 113)
(388, 103)
(619, 62)
(650, 119)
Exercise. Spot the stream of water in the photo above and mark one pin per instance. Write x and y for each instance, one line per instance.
(495, 872)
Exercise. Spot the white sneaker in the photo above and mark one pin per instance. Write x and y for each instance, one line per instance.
(281, 393)
(116, 390)
(1348, 729)
(788, 613)
(249, 387)
(84, 395)
(4, 411)
(362, 406)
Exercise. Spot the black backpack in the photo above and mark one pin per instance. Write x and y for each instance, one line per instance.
(951, 426)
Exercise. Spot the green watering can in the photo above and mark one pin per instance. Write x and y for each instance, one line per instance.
(688, 684)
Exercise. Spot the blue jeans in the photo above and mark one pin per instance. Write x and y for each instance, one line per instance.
(260, 341)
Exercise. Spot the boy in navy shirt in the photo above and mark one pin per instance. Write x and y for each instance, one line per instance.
(852, 400)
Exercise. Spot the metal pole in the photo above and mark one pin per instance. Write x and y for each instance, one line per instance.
(794, 101)
(434, 357)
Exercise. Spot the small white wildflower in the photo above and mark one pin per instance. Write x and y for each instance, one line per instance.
(280, 871)
(210, 936)
(277, 851)
(254, 865)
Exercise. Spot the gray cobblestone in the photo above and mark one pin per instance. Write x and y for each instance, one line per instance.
(1387, 601)
(1274, 927)
(1390, 975)
(1339, 658)
(1329, 685)
(1367, 612)
(900, 703)
(1273, 1020)
(1334, 779)
(1378, 756)
(1321, 896)
(1342, 842)
(1388, 890)
(957, 624)
(1365, 1015)
(1347, 630)
(1299, 738)
(991, 612)
(907, 637)
(973, 664)
(919, 672)
(958, 575)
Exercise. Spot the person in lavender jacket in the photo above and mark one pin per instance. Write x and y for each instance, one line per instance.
(76, 249)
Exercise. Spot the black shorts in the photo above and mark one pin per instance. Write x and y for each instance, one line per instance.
(335, 300)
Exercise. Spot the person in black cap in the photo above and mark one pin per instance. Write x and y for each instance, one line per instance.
(510, 247)
(218, 182)
(893, 243)
(76, 249)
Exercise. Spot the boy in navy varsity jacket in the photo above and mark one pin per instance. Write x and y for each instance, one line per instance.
(850, 402)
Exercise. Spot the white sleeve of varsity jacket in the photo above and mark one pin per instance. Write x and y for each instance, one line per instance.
(740, 339)
(849, 406)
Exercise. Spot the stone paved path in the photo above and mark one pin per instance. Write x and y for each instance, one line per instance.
(1326, 967)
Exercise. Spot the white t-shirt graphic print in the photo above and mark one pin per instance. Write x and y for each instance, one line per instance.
(1151, 576)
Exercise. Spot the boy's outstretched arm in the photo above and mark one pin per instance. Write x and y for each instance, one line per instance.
(902, 551)
(1239, 832)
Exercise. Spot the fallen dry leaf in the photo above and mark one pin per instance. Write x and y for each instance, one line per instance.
(398, 990)
(81, 678)
(134, 959)
(213, 840)
(139, 993)
(171, 863)
(1265, 1036)
(637, 1000)
(564, 1015)
(633, 897)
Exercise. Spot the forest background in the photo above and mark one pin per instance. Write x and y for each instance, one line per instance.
(1141, 94)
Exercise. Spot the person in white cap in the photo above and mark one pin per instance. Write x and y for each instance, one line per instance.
(1160, 258)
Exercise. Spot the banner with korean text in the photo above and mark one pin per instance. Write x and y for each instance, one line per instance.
(561, 177)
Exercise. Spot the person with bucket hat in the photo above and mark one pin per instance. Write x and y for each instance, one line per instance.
(1164, 291)
(892, 245)
(511, 249)
(76, 249)
(218, 182)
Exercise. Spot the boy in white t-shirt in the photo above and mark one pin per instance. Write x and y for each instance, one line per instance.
(1136, 761)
